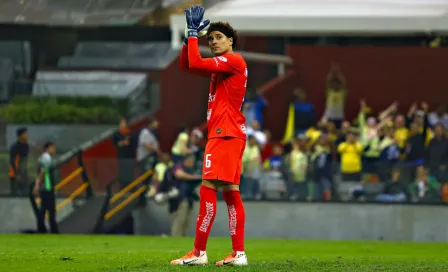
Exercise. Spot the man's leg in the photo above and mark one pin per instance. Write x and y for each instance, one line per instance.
(237, 217)
(180, 219)
(206, 216)
(51, 206)
(13, 186)
(175, 228)
(41, 228)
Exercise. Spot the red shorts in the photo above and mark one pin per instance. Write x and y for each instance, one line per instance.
(222, 159)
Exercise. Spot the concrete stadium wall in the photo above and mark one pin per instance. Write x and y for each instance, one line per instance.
(280, 220)
(317, 221)
(16, 214)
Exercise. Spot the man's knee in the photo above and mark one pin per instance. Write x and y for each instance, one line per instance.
(230, 187)
(215, 184)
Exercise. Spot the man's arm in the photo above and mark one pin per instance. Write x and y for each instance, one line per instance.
(181, 174)
(12, 158)
(184, 63)
(38, 183)
(119, 143)
(211, 65)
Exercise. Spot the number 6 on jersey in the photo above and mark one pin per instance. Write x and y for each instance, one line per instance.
(208, 162)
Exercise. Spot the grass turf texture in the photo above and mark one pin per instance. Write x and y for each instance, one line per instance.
(144, 253)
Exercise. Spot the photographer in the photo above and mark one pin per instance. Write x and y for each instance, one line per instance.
(178, 188)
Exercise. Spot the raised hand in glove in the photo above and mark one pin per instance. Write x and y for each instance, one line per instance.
(194, 17)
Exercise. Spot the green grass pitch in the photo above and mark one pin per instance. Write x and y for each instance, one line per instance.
(143, 253)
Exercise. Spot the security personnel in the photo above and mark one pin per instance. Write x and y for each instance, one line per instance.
(45, 188)
(18, 154)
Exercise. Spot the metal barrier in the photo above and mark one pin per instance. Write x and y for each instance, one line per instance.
(109, 209)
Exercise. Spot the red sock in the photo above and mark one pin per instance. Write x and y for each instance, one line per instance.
(237, 218)
(207, 212)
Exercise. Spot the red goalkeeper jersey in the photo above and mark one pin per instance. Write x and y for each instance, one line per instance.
(227, 89)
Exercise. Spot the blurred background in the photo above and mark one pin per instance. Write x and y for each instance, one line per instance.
(345, 108)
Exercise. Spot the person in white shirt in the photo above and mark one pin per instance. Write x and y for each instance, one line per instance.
(439, 116)
(147, 145)
(254, 130)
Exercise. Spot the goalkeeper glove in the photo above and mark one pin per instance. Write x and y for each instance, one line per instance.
(202, 31)
(194, 17)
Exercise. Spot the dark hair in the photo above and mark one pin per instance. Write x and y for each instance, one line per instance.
(182, 128)
(226, 29)
(21, 131)
(47, 145)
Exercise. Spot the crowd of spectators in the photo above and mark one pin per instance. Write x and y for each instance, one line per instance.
(382, 155)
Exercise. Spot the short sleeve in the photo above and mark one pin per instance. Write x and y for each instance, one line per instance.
(45, 161)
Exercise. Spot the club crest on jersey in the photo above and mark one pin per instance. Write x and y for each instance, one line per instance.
(218, 130)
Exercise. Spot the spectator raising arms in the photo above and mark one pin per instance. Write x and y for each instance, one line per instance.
(253, 107)
(351, 151)
(180, 146)
(336, 95)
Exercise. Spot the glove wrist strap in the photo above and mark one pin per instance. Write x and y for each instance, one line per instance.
(192, 33)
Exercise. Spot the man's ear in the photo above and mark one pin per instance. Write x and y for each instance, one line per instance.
(231, 40)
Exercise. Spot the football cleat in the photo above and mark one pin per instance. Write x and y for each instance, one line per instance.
(193, 257)
(238, 258)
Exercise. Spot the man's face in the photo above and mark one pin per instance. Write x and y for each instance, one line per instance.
(419, 120)
(194, 139)
(371, 122)
(24, 137)
(154, 124)
(277, 150)
(399, 121)
(395, 175)
(438, 131)
(300, 94)
(219, 44)
(421, 171)
(123, 124)
(52, 149)
(345, 126)
(351, 138)
(414, 127)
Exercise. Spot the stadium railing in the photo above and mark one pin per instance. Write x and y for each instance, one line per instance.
(126, 196)
(76, 190)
